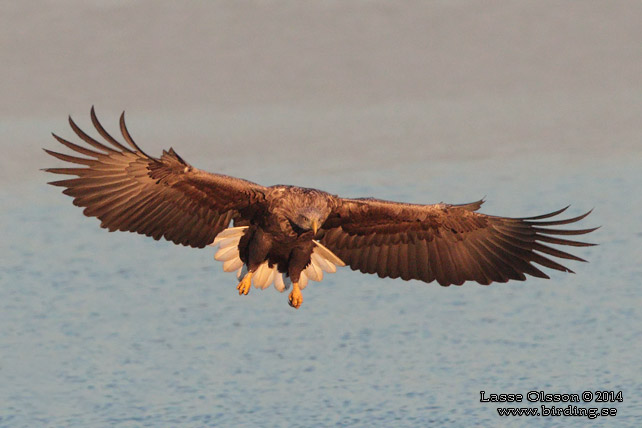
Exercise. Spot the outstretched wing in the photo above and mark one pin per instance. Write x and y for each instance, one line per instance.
(129, 190)
(447, 243)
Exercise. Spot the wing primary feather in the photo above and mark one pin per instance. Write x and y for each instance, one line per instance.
(116, 201)
(158, 217)
(128, 137)
(555, 252)
(497, 265)
(68, 171)
(510, 265)
(101, 199)
(101, 130)
(65, 183)
(560, 241)
(131, 211)
(531, 244)
(109, 209)
(156, 220)
(87, 188)
(539, 259)
(121, 215)
(538, 217)
(547, 231)
(72, 159)
(99, 180)
(151, 216)
(530, 233)
(87, 139)
(76, 147)
(519, 257)
(558, 222)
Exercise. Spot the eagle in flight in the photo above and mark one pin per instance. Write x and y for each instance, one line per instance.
(288, 235)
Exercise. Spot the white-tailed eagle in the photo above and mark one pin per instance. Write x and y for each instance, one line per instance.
(287, 235)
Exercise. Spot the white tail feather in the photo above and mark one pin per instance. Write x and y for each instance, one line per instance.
(313, 271)
(229, 242)
(227, 253)
(327, 254)
(230, 232)
(303, 280)
(323, 263)
(232, 265)
(321, 259)
(273, 274)
(258, 275)
(278, 282)
(263, 276)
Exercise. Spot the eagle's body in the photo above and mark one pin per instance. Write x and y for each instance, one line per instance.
(278, 239)
(288, 234)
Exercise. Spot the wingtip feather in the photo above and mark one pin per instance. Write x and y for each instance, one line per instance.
(128, 138)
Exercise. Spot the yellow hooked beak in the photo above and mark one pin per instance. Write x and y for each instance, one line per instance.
(315, 226)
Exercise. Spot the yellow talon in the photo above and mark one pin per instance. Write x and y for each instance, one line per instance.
(296, 298)
(245, 284)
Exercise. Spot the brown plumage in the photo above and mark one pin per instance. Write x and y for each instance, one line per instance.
(288, 233)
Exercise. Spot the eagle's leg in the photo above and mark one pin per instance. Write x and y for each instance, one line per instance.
(296, 298)
(245, 284)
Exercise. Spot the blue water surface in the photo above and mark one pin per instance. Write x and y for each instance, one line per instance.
(115, 329)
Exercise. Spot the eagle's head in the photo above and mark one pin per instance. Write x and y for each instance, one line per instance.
(308, 209)
(309, 218)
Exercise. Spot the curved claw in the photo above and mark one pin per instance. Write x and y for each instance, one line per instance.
(245, 284)
(295, 299)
